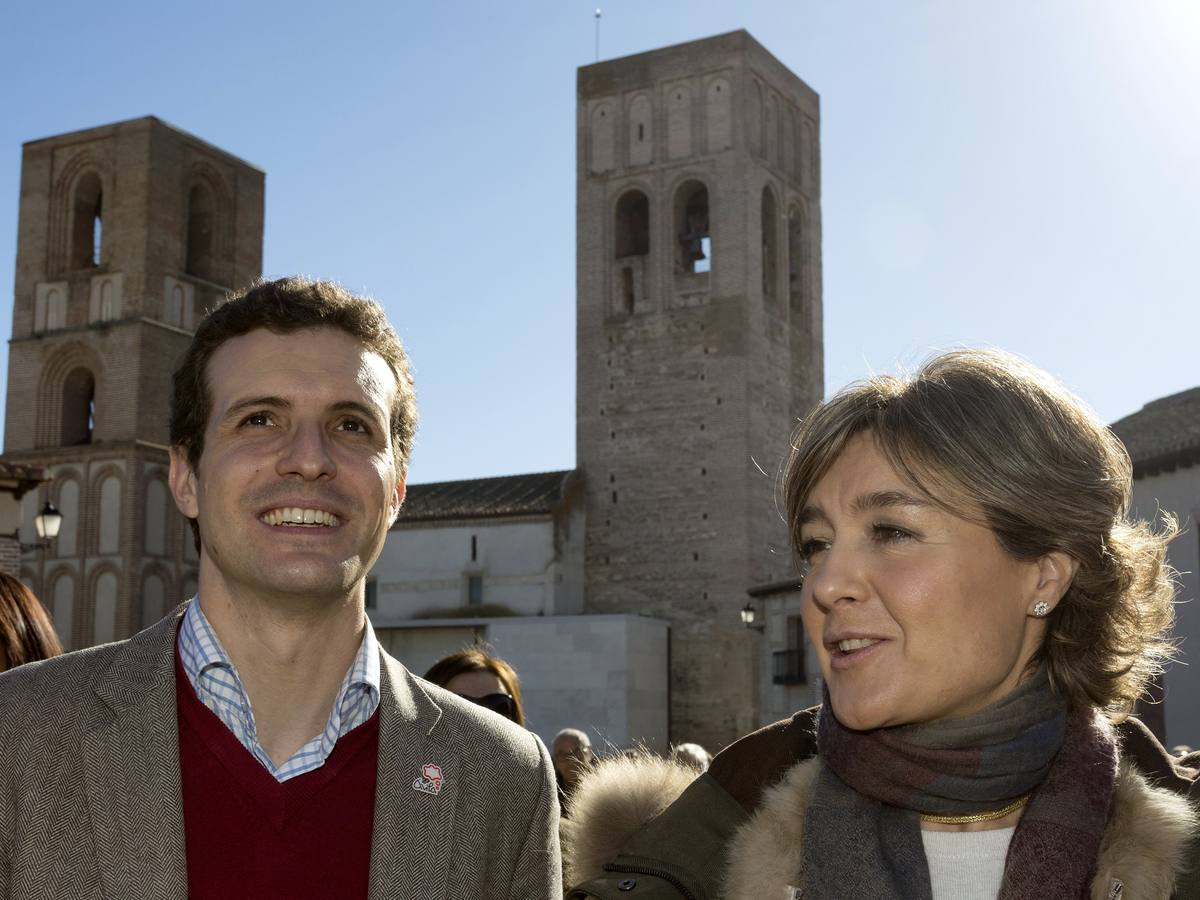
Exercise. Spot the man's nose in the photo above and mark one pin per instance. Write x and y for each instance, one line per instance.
(307, 454)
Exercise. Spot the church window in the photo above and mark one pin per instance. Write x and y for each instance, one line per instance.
(372, 594)
(633, 225)
(201, 214)
(87, 223)
(106, 301)
(692, 228)
(153, 594)
(770, 228)
(110, 515)
(155, 520)
(78, 407)
(474, 590)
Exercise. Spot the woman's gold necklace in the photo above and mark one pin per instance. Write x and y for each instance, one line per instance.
(977, 817)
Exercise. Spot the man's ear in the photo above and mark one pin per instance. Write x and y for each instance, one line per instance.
(183, 483)
(397, 499)
(1056, 570)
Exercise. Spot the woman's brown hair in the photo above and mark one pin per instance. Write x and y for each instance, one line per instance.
(477, 659)
(991, 438)
(26, 633)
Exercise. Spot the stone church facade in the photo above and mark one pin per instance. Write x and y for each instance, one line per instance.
(127, 233)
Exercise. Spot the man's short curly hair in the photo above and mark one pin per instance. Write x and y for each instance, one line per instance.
(284, 306)
(992, 438)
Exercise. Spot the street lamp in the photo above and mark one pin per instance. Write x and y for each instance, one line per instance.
(749, 615)
(47, 522)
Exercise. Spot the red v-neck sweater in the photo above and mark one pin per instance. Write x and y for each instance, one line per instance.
(248, 835)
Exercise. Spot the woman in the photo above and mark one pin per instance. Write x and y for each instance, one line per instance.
(478, 676)
(26, 633)
(985, 617)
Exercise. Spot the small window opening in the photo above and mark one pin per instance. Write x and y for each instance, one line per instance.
(627, 292)
(692, 226)
(475, 590)
(641, 131)
(474, 548)
(614, 496)
(78, 408)
(372, 595)
(87, 228)
(633, 225)
(769, 243)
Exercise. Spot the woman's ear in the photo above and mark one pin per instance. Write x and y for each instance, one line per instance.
(1055, 572)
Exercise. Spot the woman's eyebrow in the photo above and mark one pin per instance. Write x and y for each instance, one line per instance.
(887, 499)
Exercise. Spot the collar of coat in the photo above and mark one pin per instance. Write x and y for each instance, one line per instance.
(736, 831)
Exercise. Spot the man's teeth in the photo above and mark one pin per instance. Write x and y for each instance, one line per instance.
(856, 644)
(294, 515)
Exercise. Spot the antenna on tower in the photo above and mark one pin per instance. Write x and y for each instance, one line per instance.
(598, 14)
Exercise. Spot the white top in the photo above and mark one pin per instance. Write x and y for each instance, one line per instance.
(966, 865)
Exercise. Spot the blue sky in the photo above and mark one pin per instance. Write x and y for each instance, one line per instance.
(1022, 174)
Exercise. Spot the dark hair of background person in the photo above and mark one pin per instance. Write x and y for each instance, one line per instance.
(991, 438)
(284, 306)
(26, 632)
(476, 659)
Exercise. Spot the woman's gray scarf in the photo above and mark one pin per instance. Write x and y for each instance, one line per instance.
(862, 827)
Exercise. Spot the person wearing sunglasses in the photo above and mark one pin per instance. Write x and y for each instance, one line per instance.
(482, 678)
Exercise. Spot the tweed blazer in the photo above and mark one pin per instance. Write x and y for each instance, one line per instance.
(91, 804)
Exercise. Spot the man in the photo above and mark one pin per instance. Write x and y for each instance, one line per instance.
(258, 742)
(571, 751)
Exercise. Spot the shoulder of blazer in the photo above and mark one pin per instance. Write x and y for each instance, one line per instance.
(452, 721)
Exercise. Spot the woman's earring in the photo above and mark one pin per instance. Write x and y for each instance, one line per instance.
(1041, 608)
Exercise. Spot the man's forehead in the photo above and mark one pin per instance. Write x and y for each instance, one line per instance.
(310, 362)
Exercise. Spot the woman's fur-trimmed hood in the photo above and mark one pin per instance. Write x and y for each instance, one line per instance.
(1144, 848)
(611, 803)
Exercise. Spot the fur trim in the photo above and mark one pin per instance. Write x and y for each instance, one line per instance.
(1146, 843)
(611, 803)
(765, 857)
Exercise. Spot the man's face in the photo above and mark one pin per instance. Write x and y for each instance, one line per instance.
(298, 482)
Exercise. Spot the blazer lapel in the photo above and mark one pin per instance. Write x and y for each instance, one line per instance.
(414, 811)
(131, 769)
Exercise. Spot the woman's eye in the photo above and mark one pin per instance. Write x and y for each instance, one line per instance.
(811, 547)
(889, 534)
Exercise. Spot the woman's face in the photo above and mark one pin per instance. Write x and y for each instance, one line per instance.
(915, 614)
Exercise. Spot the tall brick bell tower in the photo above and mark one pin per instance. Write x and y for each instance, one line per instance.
(127, 234)
(699, 344)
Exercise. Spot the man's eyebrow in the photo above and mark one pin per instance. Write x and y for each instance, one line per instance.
(255, 403)
(362, 409)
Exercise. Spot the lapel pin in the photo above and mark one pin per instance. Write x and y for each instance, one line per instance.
(430, 779)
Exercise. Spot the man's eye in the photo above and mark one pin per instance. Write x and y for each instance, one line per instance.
(257, 420)
(354, 426)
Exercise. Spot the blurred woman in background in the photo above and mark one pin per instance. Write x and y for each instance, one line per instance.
(482, 678)
(26, 632)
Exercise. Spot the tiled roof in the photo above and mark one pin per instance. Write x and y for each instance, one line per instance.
(1163, 434)
(475, 498)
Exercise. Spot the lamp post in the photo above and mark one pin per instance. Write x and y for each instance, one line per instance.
(47, 522)
(750, 617)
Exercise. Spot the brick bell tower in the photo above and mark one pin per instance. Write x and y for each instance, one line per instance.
(128, 233)
(699, 345)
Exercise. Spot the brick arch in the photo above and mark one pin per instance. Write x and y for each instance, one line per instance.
(205, 176)
(62, 362)
(62, 195)
(164, 574)
(149, 476)
(72, 519)
(95, 513)
(66, 635)
(90, 619)
(682, 190)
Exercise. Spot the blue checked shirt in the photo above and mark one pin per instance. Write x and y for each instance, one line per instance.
(217, 684)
